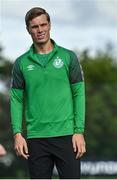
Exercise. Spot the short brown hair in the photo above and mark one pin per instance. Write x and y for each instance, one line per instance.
(34, 12)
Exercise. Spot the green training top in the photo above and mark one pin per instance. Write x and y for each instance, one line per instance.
(52, 87)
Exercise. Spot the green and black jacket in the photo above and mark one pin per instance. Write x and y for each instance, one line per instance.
(53, 88)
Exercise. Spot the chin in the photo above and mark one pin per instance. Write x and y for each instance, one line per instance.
(43, 41)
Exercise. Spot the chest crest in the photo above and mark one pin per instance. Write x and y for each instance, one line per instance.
(58, 62)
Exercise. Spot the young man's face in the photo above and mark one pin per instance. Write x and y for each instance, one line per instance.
(39, 29)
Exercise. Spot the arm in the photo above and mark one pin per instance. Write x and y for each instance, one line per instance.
(78, 95)
(16, 100)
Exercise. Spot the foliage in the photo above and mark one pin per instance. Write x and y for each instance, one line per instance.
(101, 102)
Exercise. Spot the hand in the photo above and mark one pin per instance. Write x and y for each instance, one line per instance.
(78, 145)
(2, 150)
(20, 146)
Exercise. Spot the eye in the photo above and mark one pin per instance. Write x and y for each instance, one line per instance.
(44, 24)
(34, 26)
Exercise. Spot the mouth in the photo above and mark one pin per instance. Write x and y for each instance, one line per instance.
(41, 36)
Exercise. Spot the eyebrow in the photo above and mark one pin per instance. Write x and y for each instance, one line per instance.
(36, 25)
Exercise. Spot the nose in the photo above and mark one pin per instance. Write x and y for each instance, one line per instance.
(39, 29)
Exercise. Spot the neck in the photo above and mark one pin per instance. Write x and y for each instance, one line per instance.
(44, 48)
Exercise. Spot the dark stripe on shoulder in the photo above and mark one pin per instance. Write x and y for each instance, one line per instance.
(17, 76)
(75, 69)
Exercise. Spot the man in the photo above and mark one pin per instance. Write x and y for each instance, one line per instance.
(50, 81)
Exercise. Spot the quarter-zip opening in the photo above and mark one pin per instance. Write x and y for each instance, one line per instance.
(42, 59)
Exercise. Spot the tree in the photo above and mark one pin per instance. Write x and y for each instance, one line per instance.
(101, 102)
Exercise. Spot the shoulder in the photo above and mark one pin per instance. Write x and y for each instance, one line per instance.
(65, 50)
(68, 52)
(18, 63)
(22, 58)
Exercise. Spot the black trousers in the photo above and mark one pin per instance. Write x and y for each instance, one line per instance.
(45, 152)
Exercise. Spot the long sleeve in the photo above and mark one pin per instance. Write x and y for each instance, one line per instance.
(78, 93)
(16, 98)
